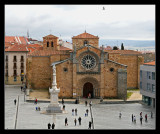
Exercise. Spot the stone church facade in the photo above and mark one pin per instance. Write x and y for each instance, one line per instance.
(85, 69)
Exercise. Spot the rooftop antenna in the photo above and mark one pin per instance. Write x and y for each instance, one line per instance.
(85, 29)
(27, 33)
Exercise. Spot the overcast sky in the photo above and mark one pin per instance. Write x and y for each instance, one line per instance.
(135, 22)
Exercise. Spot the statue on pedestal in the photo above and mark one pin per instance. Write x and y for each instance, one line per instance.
(54, 106)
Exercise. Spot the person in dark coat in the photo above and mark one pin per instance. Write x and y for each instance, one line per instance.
(76, 112)
(89, 125)
(62, 101)
(146, 117)
(15, 101)
(79, 119)
(53, 125)
(21, 88)
(85, 103)
(141, 119)
(66, 123)
(49, 125)
(132, 117)
(75, 121)
(87, 112)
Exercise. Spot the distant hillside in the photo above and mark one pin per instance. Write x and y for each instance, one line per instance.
(130, 44)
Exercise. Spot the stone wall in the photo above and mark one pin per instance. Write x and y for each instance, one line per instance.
(122, 84)
(80, 42)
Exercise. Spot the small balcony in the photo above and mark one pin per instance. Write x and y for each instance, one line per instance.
(14, 67)
(22, 67)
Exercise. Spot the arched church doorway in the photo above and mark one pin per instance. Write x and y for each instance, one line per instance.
(88, 88)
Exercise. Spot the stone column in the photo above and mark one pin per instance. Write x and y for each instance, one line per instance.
(54, 106)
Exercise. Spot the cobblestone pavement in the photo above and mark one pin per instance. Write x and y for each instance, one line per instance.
(105, 116)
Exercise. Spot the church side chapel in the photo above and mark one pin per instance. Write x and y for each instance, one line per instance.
(84, 71)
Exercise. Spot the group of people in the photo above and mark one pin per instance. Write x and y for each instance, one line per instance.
(141, 117)
(51, 126)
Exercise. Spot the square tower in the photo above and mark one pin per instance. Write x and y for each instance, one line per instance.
(50, 42)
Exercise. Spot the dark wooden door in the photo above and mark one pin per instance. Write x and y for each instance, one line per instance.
(87, 88)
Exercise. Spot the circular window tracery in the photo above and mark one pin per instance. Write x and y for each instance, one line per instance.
(88, 62)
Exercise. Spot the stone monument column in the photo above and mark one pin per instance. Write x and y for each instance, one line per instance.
(54, 106)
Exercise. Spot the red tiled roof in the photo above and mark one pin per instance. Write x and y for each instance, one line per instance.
(16, 39)
(34, 45)
(17, 48)
(46, 52)
(150, 63)
(85, 35)
(123, 51)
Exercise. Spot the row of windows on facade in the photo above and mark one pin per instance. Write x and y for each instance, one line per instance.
(148, 75)
(15, 58)
(14, 72)
(15, 66)
(149, 88)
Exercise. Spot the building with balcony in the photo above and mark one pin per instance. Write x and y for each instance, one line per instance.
(15, 64)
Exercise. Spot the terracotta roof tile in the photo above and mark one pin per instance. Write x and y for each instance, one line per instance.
(17, 48)
(85, 35)
(16, 39)
(150, 63)
(45, 52)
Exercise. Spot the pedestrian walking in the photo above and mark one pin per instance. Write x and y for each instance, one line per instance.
(66, 121)
(62, 101)
(36, 108)
(15, 101)
(132, 117)
(89, 125)
(79, 119)
(49, 125)
(75, 121)
(86, 103)
(21, 88)
(87, 112)
(140, 113)
(141, 118)
(146, 118)
(73, 112)
(151, 114)
(63, 107)
(120, 114)
(76, 112)
(90, 104)
(53, 125)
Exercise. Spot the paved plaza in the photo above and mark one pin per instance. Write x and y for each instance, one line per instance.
(105, 116)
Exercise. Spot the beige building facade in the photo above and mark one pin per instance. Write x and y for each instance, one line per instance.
(15, 64)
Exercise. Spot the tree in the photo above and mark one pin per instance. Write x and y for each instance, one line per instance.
(115, 48)
(122, 47)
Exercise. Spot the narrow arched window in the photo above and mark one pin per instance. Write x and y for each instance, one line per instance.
(85, 42)
(47, 43)
(52, 44)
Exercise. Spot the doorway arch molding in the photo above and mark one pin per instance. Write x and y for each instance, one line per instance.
(89, 79)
